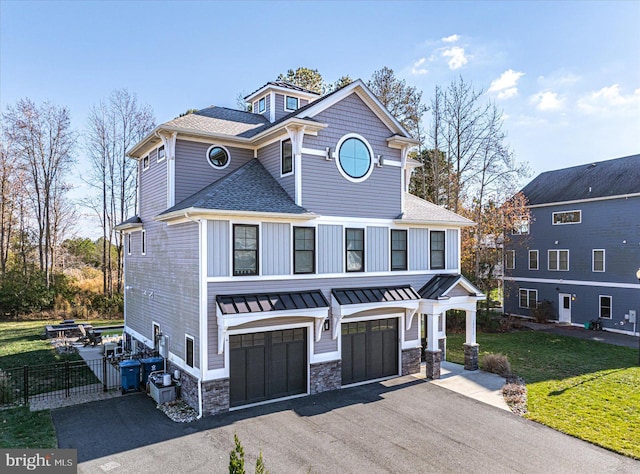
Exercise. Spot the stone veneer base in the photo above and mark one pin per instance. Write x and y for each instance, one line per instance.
(325, 376)
(471, 356)
(411, 361)
(432, 361)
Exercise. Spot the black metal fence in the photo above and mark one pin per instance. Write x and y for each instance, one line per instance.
(22, 385)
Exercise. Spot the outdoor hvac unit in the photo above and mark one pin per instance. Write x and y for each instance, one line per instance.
(164, 346)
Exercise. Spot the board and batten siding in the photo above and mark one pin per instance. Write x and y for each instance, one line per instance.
(376, 245)
(193, 171)
(330, 248)
(451, 249)
(276, 248)
(269, 156)
(418, 247)
(325, 191)
(218, 248)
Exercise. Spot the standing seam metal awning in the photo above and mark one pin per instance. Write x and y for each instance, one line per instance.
(264, 302)
(382, 294)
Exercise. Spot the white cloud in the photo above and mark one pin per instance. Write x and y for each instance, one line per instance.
(547, 100)
(608, 98)
(417, 67)
(451, 39)
(505, 86)
(456, 56)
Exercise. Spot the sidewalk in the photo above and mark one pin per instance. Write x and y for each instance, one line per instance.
(477, 384)
(574, 331)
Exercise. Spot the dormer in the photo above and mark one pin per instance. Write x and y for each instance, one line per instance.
(276, 99)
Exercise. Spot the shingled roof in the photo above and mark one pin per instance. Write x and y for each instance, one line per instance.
(250, 188)
(419, 210)
(222, 120)
(594, 180)
(284, 85)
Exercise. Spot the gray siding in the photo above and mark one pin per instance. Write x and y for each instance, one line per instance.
(153, 188)
(276, 249)
(418, 249)
(269, 156)
(326, 343)
(280, 112)
(451, 249)
(414, 331)
(193, 171)
(377, 249)
(330, 249)
(326, 192)
(218, 248)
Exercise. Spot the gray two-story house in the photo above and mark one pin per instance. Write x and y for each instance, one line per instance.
(581, 249)
(277, 253)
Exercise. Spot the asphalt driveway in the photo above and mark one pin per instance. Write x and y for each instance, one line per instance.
(401, 425)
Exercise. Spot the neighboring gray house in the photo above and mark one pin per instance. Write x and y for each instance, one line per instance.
(581, 249)
(278, 253)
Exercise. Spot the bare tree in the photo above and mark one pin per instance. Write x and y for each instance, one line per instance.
(11, 179)
(115, 125)
(44, 143)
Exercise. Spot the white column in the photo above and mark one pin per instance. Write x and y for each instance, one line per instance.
(432, 332)
(471, 327)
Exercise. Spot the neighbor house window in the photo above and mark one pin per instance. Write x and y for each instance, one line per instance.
(533, 259)
(156, 336)
(510, 259)
(129, 243)
(558, 260)
(291, 103)
(597, 264)
(161, 154)
(262, 105)
(286, 157)
(218, 156)
(355, 250)
(143, 242)
(398, 249)
(304, 250)
(188, 351)
(567, 217)
(605, 307)
(521, 226)
(436, 247)
(528, 298)
(354, 161)
(145, 163)
(245, 249)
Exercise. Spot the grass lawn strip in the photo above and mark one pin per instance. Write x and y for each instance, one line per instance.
(583, 388)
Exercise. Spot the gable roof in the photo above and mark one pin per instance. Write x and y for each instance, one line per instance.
(615, 177)
(249, 189)
(281, 85)
(237, 123)
(440, 285)
(419, 211)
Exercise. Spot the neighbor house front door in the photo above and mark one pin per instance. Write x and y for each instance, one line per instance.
(564, 306)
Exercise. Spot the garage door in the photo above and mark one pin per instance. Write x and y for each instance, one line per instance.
(369, 350)
(267, 365)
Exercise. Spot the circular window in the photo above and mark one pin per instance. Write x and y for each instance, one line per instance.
(354, 158)
(218, 157)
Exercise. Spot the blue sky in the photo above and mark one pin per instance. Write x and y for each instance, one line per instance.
(566, 74)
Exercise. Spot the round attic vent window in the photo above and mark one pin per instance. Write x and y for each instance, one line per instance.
(218, 157)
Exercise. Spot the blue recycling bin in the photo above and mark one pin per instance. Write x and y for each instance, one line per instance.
(130, 375)
(151, 364)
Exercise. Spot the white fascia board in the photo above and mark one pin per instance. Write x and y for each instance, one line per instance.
(349, 309)
(129, 227)
(432, 223)
(191, 213)
(467, 285)
(139, 149)
(232, 320)
(466, 303)
(283, 90)
(579, 201)
(399, 142)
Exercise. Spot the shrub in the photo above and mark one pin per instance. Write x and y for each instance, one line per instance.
(236, 457)
(543, 312)
(455, 321)
(496, 364)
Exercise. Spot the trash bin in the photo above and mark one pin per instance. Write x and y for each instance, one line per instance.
(587, 325)
(130, 375)
(152, 364)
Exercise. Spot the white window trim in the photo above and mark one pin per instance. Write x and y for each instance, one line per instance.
(528, 290)
(232, 224)
(193, 356)
(158, 159)
(143, 242)
(553, 222)
(293, 164)
(337, 157)
(265, 104)
(508, 260)
(364, 249)
(406, 233)
(593, 260)
(293, 249)
(153, 333)
(610, 306)
(286, 97)
(226, 151)
(537, 260)
(557, 260)
(445, 249)
(148, 160)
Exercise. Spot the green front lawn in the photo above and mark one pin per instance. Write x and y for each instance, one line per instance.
(587, 389)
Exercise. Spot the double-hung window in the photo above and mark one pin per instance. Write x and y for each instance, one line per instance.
(143, 242)
(510, 259)
(161, 154)
(605, 307)
(245, 249)
(528, 298)
(597, 264)
(286, 158)
(188, 351)
(262, 105)
(558, 260)
(354, 250)
(533, 259)
(398, 249)
(304, 250)
(436, 246)
(521, 226)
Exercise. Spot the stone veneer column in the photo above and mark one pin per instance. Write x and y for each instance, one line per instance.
(215, 396)
(433, 359)
(325, 376)
(411, 361)
(471, 356)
